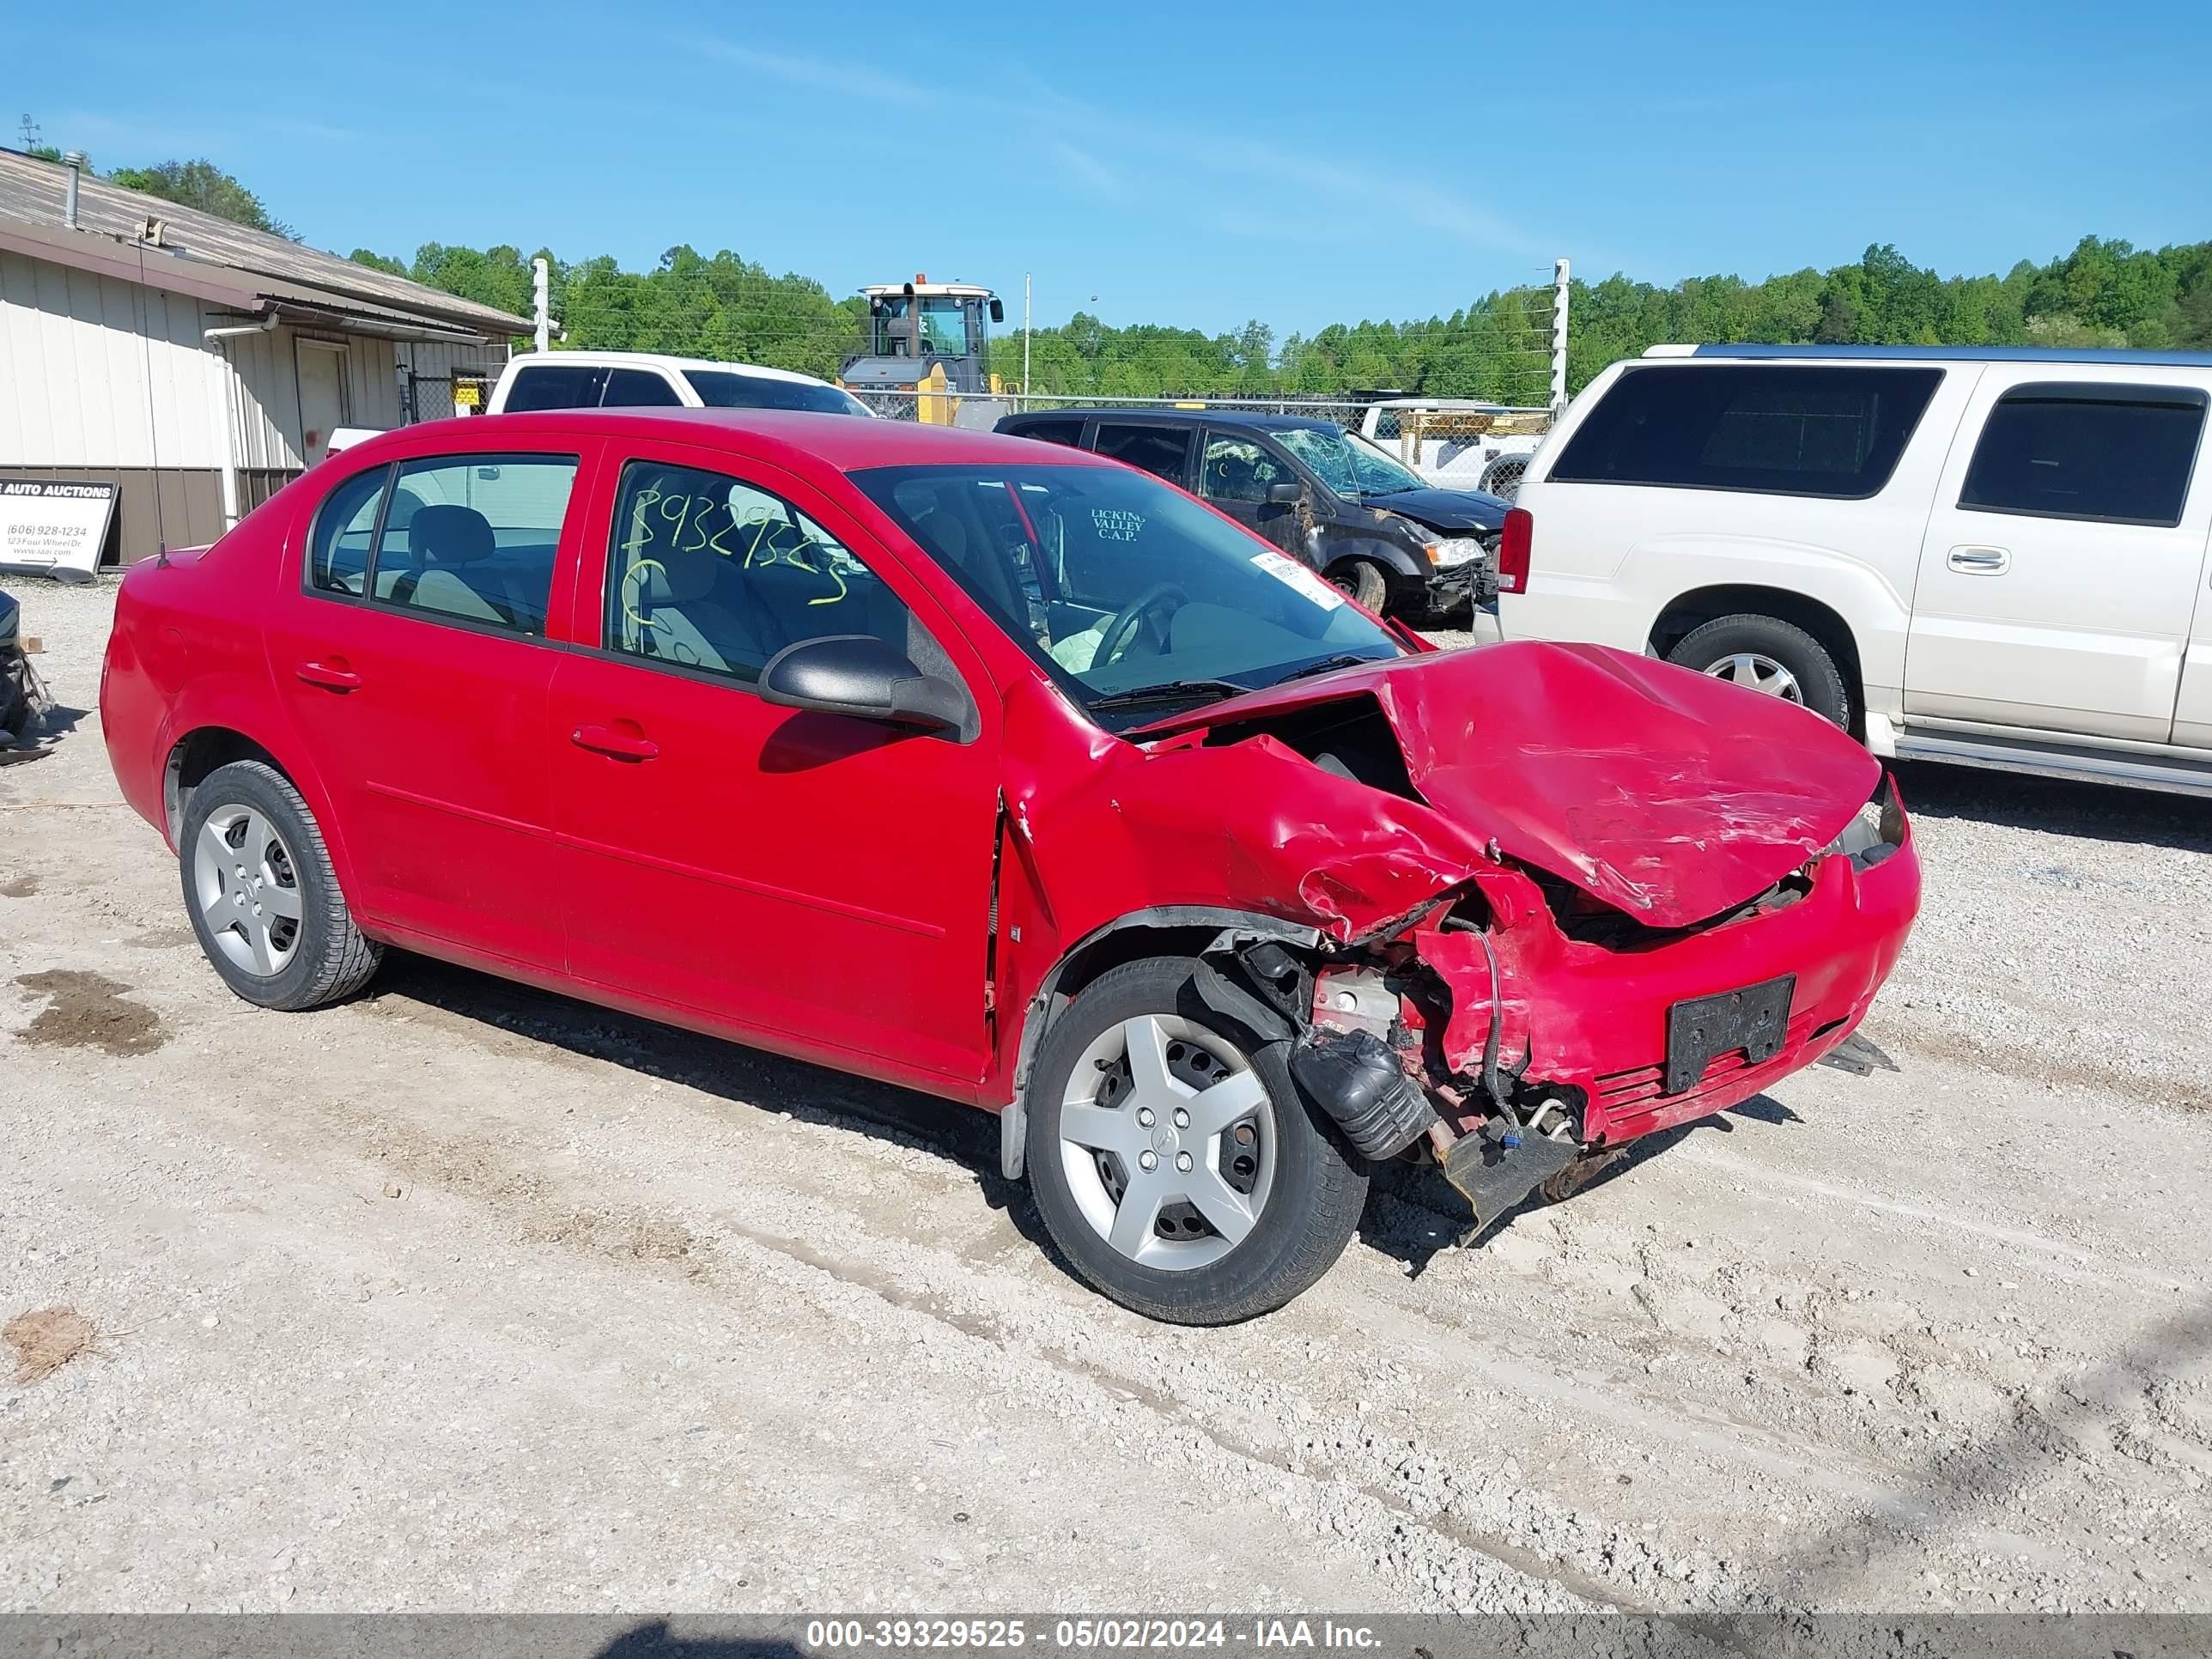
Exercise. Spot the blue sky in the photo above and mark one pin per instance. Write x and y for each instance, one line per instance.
(1184, 163)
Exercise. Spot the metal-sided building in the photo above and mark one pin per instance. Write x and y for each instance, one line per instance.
(197, 364)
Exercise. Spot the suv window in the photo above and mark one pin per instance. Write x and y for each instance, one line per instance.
(722, 388)
(2118, 453)
(1785, 430)
(709, 573)
(1162, 450)
(639, 388)
(472, 537)
(555, 386)
(1238, 469)
(1060, 430)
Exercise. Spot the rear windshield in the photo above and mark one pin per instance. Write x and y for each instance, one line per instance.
(720, 388)
(1782, 429)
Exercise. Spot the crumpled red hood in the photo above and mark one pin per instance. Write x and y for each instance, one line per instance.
(1662, 792)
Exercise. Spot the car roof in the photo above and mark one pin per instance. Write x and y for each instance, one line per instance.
(1183, 416)
(656, 359)
(847, 443)
(2128, 356)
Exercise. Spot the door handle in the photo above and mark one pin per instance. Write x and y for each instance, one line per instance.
(331, 676)
(622, 745)
(1979, 561)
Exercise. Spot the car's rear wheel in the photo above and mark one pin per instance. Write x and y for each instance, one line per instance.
(263, 897)
(1364, 579)
(1174, 1162)
(1768, 655)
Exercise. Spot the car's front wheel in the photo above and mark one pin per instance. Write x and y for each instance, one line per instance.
(1364, 579)
(1174, 1162)
(264, 899)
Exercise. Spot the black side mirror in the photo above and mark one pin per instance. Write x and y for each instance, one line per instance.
(997, 312)
(1287, 493)
(860, 675)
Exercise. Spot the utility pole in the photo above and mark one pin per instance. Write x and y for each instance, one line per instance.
(541, 300)
(1025, 334)
(1559, 287)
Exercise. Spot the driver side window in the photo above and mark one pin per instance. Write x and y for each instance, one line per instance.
(709, 573)
(1238, 469)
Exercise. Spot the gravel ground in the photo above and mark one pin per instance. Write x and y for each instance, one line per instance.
(464, 1297)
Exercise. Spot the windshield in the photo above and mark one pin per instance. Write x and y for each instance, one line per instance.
(1116, 584)
(1347, 463)
(724, 389)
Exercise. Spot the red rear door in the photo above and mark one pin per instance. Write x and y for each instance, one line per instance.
(807, 883)
(411, 653)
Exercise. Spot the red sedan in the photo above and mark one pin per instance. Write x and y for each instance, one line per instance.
(999, 771)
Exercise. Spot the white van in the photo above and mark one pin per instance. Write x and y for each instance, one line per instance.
(611, 380)
(1997, 556)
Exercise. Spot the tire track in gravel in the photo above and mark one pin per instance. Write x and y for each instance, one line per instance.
(717, 1253)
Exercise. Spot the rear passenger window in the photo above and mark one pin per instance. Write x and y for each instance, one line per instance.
(639, 388)
(337, 555)
(1160, 450)
(472, 537)
(710, 573)
(1778, 429)
(1069, 431)
(2120, 454)
(555, 386)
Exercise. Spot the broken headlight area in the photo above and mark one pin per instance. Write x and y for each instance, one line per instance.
(1876, 829)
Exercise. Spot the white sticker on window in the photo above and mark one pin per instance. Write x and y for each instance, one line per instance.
(1116, 524)
(1297, 576)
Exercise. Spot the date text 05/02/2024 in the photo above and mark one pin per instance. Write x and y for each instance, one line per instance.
(1084, 1635)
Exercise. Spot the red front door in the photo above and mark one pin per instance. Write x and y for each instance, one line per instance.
(804, 882)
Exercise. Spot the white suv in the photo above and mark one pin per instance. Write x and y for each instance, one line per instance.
(1990, 555)
(609, 379)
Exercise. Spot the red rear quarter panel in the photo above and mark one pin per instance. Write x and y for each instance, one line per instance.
(186, 653)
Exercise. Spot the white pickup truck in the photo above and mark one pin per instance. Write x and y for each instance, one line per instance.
(1989, 556)
(642, 380)
(1457, 443)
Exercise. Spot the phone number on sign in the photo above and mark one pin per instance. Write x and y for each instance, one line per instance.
(1117, 1633)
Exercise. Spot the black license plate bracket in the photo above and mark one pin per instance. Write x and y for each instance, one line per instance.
(1700, 1030)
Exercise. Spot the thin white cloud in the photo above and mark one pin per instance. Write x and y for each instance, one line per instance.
(1302, 181)
(1087, 168)
(818, 74)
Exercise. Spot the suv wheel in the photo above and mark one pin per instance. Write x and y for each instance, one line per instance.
(262, 896)
(1365, 581)
(1173, 1161)
(1764, 653)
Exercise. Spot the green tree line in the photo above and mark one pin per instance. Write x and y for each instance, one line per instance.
(2102, 293)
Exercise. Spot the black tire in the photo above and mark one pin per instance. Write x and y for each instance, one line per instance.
(329, 958)
(1319, 1187)
(1820, 682)
(1364, 579)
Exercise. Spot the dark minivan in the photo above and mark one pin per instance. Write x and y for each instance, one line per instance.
(1327, 498)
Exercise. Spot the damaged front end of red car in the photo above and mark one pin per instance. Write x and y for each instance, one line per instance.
(1555, 898)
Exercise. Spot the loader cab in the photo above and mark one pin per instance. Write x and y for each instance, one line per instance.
(923, 332)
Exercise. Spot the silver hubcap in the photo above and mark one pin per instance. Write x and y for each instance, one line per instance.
(1759, 673)
(248, 890)
(1167, 1139)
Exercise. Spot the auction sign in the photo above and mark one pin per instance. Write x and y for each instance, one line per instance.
(54, 528)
